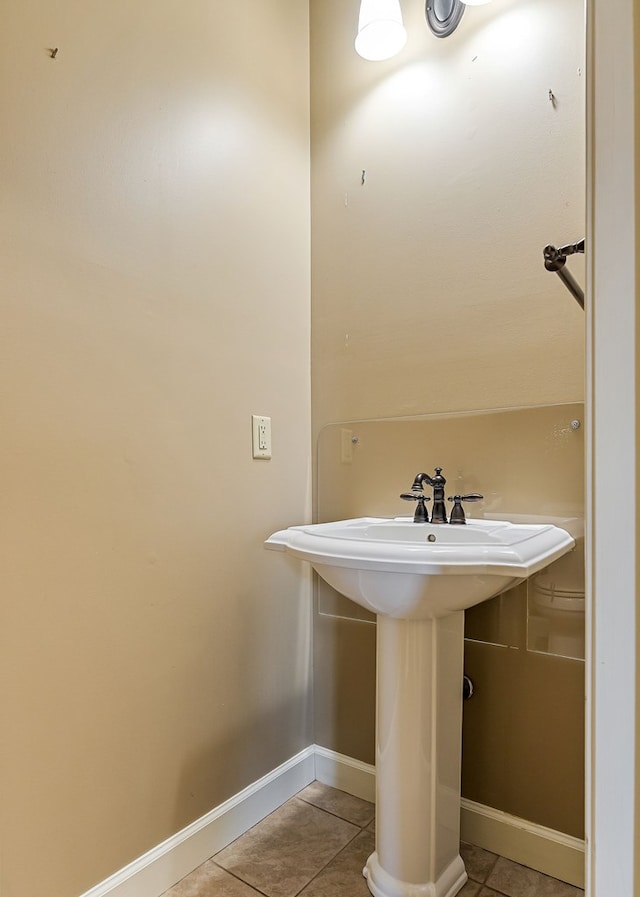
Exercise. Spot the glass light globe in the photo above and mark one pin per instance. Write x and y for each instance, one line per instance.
(381, 33)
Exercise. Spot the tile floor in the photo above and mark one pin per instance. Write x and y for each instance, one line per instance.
(316, 844)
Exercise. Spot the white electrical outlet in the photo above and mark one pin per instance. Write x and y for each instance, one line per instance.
(261, 436)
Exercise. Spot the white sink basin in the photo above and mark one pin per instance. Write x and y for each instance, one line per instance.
(418, 577)
(418, 571)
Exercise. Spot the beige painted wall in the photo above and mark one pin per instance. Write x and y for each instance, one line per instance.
(428, 283)
(523, 744)
(154, 243)
(429, 291)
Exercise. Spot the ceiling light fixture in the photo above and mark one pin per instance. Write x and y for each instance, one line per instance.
(443, 16)
(381, 32)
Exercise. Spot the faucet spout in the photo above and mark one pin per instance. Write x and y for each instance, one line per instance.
(419, 479)
(437, 482)
(417, 495)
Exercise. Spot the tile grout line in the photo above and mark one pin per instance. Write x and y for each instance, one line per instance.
(335, 815)
(320, 871)
(237, 878)
(489, 871)
(361, 829)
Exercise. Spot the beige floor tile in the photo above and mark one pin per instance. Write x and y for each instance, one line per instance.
(281, 854)
(478, 862)
(518, 881)
(210, 880)
(313, 846)
(343, 876)
(346, 806)
(471, 889)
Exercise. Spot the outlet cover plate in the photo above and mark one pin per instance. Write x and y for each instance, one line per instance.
(261, 436)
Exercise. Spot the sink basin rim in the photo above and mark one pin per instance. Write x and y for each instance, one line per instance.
(511, 549)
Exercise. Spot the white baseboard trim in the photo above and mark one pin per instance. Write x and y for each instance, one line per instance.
(536, 846)
(153, 873)
(540, 848)
(156, 871)
(345, 773)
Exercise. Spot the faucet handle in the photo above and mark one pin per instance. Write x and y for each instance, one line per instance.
(421, 515)
(457, 512)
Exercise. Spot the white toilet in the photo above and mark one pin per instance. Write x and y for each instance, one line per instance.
(556, 607)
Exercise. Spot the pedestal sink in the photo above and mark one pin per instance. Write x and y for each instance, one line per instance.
(418, 578)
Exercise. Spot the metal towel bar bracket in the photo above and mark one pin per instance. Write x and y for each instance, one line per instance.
(555, 260)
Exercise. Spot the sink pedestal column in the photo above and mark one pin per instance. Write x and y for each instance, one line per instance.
(418, 756)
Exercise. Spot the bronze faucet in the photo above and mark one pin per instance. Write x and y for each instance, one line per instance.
(439, 514)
